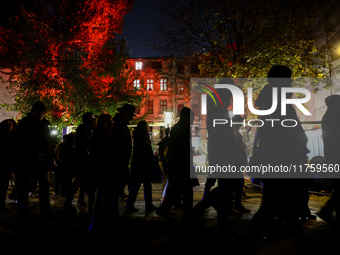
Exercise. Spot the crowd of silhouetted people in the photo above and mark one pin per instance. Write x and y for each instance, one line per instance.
(96, 160)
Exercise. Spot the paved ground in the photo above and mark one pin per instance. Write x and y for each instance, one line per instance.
(148, 234)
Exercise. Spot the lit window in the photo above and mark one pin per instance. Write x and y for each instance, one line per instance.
(136, 84)
(138, 65)
(149, 84)
(180, 88)
(163, 84)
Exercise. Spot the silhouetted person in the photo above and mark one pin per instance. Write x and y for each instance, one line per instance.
(82, 176)
(124, 143)
(32, 145)
(162, 146)
(223, 150)
(163, 162)
(66, 155)
(82, 141)
(142, 168)
(285, 199)
(7, 129)
(180, 165)
(331, 141)
(57, 171)
(105, 174)
(237, 157)
(238, 183)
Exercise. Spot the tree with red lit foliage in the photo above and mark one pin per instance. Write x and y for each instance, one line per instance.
(66, 54)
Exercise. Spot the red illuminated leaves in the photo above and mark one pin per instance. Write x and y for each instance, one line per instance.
(62, 47)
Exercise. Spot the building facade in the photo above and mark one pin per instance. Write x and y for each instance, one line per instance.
(166, 81)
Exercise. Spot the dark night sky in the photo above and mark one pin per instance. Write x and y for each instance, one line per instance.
(138, 28)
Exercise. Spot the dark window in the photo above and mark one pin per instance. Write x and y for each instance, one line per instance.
(149, 107)
(194, 68)
(157, 65)
(163, 106)
(180, 68)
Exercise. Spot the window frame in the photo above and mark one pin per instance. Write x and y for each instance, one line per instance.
(163, 84)
(138, 65)
(149, 82)
(136, 84)
(149, 107)
(163, 107)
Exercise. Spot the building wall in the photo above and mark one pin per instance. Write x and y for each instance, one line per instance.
(5, 97)
(159, 69)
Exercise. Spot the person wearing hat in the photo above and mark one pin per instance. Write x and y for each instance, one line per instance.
(32, 150)
(124, 143)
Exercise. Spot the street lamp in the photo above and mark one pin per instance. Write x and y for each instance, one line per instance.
(168, 118)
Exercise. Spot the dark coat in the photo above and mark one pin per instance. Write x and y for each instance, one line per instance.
(66, 156)
(223, 147)
(278, 144)
(330, 130)
(162, 149)
(103, 150)
(32, 137)
(180, 160)
(123, 142)
(142, 164)
(82, 140)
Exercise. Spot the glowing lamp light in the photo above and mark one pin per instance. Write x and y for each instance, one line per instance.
(168, 118)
